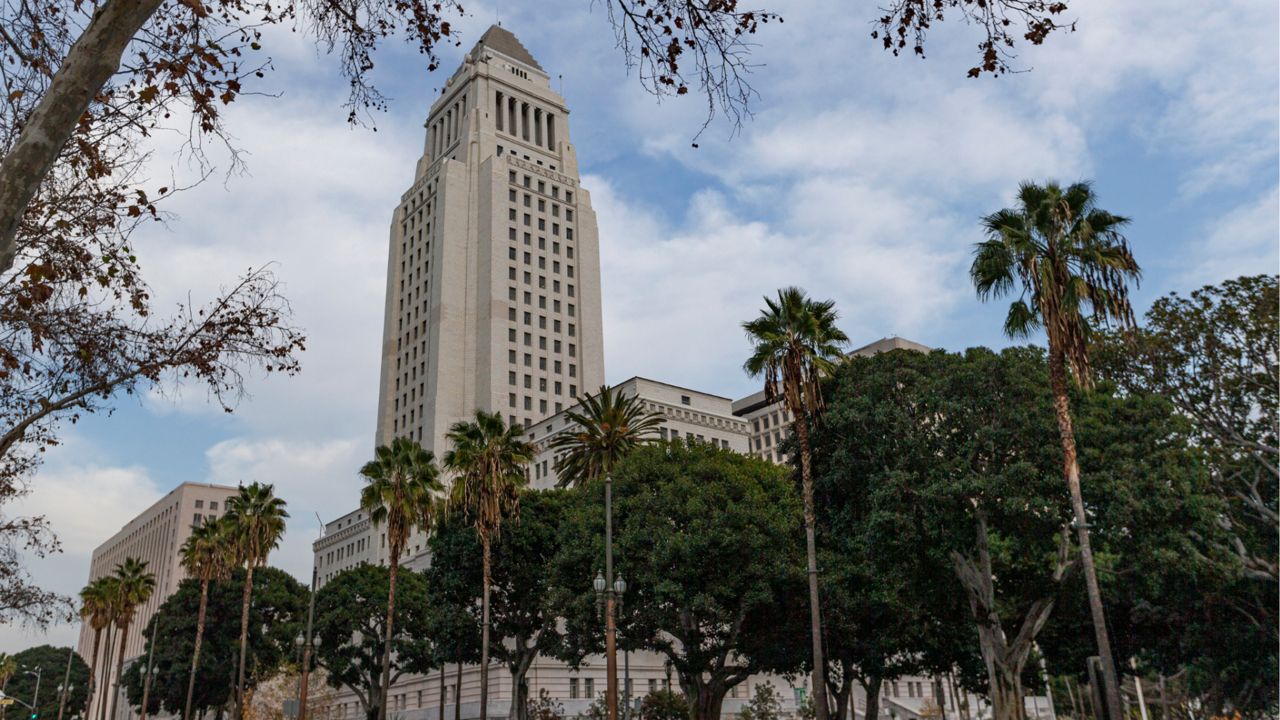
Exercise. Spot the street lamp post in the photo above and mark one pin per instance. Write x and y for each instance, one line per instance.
(151, 651)
(307, 643)
(35, 697)
(609, 592)
(66, 688)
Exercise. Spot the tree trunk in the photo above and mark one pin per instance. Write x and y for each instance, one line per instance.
(106, 670)
(93, 671)
(195, 654)
(842, 698)
(115, 693)
(1071, 469)
(872, 690)
(440, 715)
(385, 684)
(484, 635)
(1006, 693)
(706, 703)
(244, 638)
(457, 695)
(818, 682)
(519, 682)
(89, 64)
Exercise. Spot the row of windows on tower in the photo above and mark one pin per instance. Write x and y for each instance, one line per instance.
(528, 221)
(541, 186)
(542, 403)
(541, 204)
(542, 244)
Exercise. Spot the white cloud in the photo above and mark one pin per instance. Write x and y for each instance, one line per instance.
(313, 476)
(1243, 242)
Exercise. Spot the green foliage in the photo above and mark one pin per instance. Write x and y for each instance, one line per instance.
(608, 426)
(256, 519)
(350, 621)
(545, 708)
(765, 704)
(707, 540)
(52, 663)
(402, 484)
(1066, 260)
(523, 618)
(1213, 356)
(916, 449)
(278, 608)
(664, 705)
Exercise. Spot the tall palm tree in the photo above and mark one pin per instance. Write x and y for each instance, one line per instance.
(133, 587)
(609, 426)
(207, 555)
(490, 462)
(795, 342)
(256, 519)
(1071, 267)
(403, 484)
(95, 611)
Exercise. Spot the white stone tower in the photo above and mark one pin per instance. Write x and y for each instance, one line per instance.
(493, 277)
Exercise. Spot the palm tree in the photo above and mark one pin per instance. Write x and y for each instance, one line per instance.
(609, 426)
(795, 342)
(255, 518)
(133, 587)
(403, 483)
(490, 462)
(1071, 267)
(95, 611)
(207, 555)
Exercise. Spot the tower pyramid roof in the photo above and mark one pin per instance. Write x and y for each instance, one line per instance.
(502, 40)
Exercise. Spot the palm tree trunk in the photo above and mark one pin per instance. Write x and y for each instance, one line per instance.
(244, 638)
(390, 630)
(93, 671)
(484, 635)
(457, 694)
(195, 655)
(818, 681)
(1071, 468)
(106, 670)
(115, 692)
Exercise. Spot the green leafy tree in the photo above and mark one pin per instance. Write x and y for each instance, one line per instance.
(95, 611)
(351, 622)
(207, 555)
(765, 704)
(402, 496)
(277, 611)
(608, 426)
(133, 587)
(256, 519)
(664, 705)
(523, 616)
(1071, 266)
(51, 662)
(1215, 355)
(795, 342)
(706, 537)
(490, 462)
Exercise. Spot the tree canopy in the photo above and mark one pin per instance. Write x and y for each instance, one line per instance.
(52, 664)
(350, 623)
(707, 539)
(278, 608)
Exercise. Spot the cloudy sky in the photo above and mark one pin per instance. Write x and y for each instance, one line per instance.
(861, 178)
